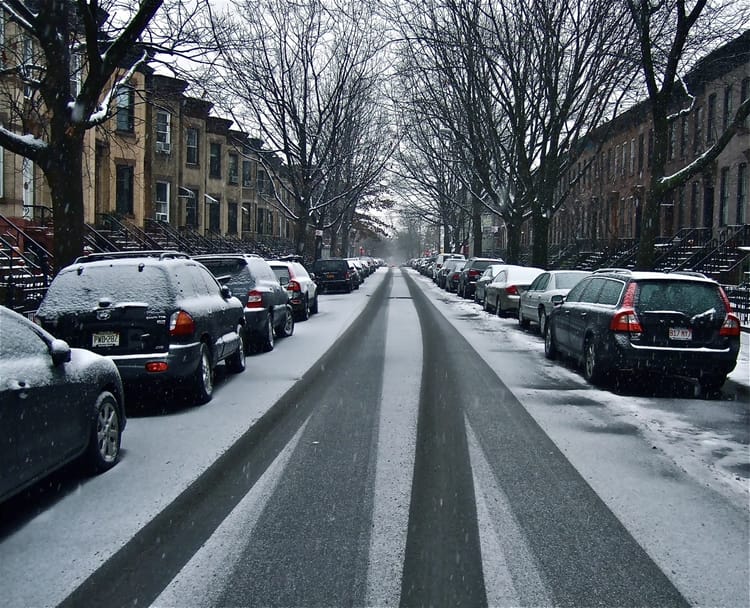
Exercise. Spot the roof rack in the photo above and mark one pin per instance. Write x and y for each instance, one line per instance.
(613, 270)
(690, 273)
(162, 254)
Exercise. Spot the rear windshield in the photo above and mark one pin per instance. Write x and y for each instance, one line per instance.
(282, 273)
(688, 297)
(567, 280)
(72, 292)
(330, 265)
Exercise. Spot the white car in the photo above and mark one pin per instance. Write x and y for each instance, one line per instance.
(535, 304)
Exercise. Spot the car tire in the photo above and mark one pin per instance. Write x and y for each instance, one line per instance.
(314, 307)
(524, 323)
(348, 288)
(543, 322)
(236, 361)
(485, 304)
(593, 370)
(305, 310)
(550, 348)
(267, 341)
(711, 383)
(498, 309)
(287, 328)
(204, 376)
(103, 450)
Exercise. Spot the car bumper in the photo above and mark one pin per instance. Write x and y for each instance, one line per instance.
(180, 362)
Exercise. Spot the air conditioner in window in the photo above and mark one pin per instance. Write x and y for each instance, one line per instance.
(164, 147)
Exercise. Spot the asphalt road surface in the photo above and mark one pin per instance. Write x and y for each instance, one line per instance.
(399, 470)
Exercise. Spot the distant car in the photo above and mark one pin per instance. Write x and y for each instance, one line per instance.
(356, 272)
(333, 274)
(485, 279)
(299, 285)
(267, 311)
(441, 259)
(470, 274)
(57, 404)
(449, 265)
(159, 315)
(454, 272)
(502, 295)
(667, 323)
(535, 304)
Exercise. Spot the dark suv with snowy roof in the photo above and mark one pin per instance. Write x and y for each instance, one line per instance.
(678, 324)
(160, 316)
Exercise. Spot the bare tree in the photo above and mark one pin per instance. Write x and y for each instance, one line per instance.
(72, 52)
(303, 75)
(669, 35)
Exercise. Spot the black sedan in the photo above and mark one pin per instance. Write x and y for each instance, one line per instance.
(57, 404)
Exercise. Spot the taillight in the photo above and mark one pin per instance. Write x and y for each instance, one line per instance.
(181, 324)
(625, 320)
(629, 300)
(293, 286)
(254, 299)
(156, 367)
(511, 290)
(347, 275)
(730, 327)
(473, 273)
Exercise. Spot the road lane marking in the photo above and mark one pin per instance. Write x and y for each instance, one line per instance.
(396, 448)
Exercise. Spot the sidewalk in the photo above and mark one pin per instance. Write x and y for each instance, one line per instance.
(739, 379)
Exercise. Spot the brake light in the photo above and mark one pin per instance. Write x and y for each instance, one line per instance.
(731, 326)
(346, 274)
(473, 273)
(156, 366)
(629, 300)
(293, 286)
(181, 324)
(625, 320)
(511, 290)
(254, 299)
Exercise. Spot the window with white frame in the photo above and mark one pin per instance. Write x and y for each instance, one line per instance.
(27, 171)
(163, 132)
(26, 67)
(191, 146)
(161, 202)
(125, 109)
(75, 73)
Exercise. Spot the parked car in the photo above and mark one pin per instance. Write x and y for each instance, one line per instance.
(160, 316)
(442, 258)
(673, 324)
(535, 304)
(502, 295)
(485, 279)
(470, 274)
(357, 272)
(451, 277)
(267, 310)
(333, 274)
(57, 404)
(299, 285)
(449, 265)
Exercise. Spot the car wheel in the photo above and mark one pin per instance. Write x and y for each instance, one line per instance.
(460, 290)
(524, 323)
(550, 348)
(711, 383)
(287, 329)
(593, 370)
(204, 376)
(106, 433)
(485, 304)
(498, 308)
(236, 361)
(305, 312)
(543, 322)
(314, 307)
(348, 288)
(266, 343)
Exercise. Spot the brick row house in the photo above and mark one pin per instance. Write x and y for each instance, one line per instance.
(606, 183)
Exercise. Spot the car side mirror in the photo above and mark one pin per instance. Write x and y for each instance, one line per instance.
(226, 293)
(59, 351)
(557, 300)
(312, 276)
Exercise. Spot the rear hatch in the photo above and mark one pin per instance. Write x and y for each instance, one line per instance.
(680, 314)
(110, 309)
(332, 270)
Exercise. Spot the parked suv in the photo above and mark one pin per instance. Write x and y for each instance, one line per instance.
(160, 316)
(471, 272)
(333, 273)
(675, 324)
(299, 285)
(266, 303)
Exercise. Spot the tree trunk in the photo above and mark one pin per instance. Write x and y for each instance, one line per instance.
(540, 239)
(476, 222)
(514, 244)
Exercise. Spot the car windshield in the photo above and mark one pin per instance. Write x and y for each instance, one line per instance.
(83, 287)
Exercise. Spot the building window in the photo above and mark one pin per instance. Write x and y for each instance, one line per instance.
(609, 164)
(698, 131)
(681, 207)
(724, 197)
(741, 192)
(259, 224)
(27, 67)
(28, 194)
(191, 146)
(247, 177)
(125, 109)
(624, 166)
(231, 218)
(694, 192)
(641, 151)
(711, 123)
(728, 109)
(124, 189)
(214, 214)
(163, 132)
(247, 217)
(192, 209)
(270, 222)
(214, 161)
(76, 63)
(162, 201)
(632, 156)
(233, 169)
(262, 181)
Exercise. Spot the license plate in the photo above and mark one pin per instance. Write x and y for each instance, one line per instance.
(680, 333)
(330, 275)
(105, 339)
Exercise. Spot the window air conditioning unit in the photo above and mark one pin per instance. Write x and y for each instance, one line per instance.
(164, 147)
